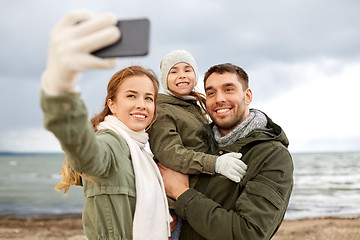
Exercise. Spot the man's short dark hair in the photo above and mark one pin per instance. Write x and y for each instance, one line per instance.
(228, 67)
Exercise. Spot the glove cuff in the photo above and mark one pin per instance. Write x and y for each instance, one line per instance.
(217, 164)
(54, 86)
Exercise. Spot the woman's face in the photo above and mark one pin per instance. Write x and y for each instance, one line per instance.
(134, 102)
(181, 79)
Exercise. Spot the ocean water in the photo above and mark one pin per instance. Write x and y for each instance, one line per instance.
(325, 184)
(27, 185)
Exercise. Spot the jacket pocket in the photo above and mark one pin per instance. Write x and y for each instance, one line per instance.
(260, 206)
(265, 191)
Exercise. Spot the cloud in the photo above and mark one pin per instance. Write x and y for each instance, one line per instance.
(320, 111)
(298, 54)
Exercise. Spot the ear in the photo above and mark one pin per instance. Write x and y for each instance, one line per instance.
(248, 96)
(111, 106)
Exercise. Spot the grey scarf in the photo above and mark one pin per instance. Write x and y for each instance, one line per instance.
(256, 119)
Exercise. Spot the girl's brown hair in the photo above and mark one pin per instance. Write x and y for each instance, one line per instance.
(201, 99)
(72, 177)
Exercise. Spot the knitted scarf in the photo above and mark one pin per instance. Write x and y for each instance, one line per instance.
(151, 218)
(256, 119)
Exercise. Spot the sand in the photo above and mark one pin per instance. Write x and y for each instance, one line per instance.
(71, 228)
(320, 229)
(41, 229)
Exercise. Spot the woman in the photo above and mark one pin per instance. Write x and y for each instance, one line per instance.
(125, 197)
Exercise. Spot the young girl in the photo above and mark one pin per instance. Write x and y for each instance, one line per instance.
(178, 138)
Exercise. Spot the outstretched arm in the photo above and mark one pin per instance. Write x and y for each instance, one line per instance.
(71, 42)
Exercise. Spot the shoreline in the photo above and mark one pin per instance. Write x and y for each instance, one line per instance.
(70, 227)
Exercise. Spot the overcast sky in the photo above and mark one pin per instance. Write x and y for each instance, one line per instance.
(302, 57)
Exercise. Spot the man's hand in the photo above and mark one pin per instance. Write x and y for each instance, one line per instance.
(72, 41)
(175, 183)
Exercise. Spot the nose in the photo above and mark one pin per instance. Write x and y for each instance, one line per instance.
(220, 97)
(182, 74)
(140, 103)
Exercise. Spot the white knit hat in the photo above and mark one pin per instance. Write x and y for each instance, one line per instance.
(172, 58)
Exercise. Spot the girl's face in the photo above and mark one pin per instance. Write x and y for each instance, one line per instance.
(134, 102)
(181, 79)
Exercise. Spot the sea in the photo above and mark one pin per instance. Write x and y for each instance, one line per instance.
(325, 185)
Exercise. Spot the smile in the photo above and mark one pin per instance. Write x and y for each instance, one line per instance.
(182, 84)
(138, 116)
(223, 110)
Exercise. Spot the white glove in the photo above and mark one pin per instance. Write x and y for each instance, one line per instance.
(231, 166)
(71, 42)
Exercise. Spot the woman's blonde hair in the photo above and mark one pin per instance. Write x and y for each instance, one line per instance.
(72, 177)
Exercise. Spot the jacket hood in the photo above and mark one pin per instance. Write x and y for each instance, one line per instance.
(274, 132)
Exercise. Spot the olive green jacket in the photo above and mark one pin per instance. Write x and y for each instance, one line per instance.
(218, 208)
(105, 157)
(178, 138)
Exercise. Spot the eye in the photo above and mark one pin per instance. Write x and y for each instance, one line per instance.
(130, 96)
(209, 94)
(229, 89)
(149, 99)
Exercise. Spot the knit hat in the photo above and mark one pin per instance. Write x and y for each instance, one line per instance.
(172, 58)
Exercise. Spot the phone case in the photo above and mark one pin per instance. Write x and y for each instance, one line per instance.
(134, 40)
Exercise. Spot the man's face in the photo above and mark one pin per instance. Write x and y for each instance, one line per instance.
(227, 101)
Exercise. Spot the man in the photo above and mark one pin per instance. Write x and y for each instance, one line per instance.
(217, 208)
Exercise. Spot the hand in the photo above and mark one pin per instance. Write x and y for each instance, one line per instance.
(72, 41)
(231, 166)
(175, 183)
(173, 224)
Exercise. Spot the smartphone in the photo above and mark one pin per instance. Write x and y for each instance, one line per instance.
(134, 40)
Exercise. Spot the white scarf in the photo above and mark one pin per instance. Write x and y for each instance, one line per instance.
(151, 218)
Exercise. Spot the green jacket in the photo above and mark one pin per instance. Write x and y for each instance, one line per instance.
(105, 157)
(178, 138)
(218, 208)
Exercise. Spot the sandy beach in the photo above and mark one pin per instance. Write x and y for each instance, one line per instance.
(320, 229)
(71, 228)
